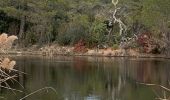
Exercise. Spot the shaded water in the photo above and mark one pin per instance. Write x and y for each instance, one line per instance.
(89, 78)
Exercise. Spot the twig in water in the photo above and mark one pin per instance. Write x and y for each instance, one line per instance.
(163, 87)
(39, 91)
(3, 98)
(11, 89)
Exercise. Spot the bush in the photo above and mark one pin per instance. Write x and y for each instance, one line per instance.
(97, 33)
(64, 39)
(80, 47)
(150, 44)
(115, 46)
(73, 31)
(72, 35)
(31, 38)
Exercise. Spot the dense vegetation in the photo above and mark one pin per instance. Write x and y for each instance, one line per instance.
(67, 21)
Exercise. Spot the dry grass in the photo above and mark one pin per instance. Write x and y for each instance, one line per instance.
(6, 64)
(6, 41)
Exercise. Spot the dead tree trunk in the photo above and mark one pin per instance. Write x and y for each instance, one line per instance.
(122, 26)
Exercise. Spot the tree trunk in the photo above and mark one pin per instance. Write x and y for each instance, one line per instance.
(168, 44)
(22, 27)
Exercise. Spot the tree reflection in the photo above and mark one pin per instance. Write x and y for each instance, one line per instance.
(83, 78)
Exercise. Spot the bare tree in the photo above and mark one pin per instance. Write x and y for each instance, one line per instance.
(122, 26)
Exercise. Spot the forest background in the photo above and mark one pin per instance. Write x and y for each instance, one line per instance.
(68, 22)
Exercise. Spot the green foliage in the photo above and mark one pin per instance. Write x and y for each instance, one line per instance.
(97, 34)
(59, 18)
(153, 14)
(64, 39)
(73, 31)
(3, 22)
(7, 23)
(115, 46)
(31, 38)
(68, 21)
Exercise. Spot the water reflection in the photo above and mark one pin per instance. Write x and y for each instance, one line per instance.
(90, 78)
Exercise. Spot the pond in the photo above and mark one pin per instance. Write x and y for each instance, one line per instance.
(89, 78)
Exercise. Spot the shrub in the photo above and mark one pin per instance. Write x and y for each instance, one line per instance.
(97, 33)
(64, 39)
(150, 44)
(80, 47)
(115, 46)
(31, 38)
(73, 31)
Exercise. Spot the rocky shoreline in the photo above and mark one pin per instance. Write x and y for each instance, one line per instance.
(69, 51)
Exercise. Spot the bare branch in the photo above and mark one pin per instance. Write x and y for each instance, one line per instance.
(11, 89)
(122, 26)
(115, 2)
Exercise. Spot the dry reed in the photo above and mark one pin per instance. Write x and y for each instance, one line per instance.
(6, 41)
(6, 64)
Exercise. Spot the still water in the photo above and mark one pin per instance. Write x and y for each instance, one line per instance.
(89, 78)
